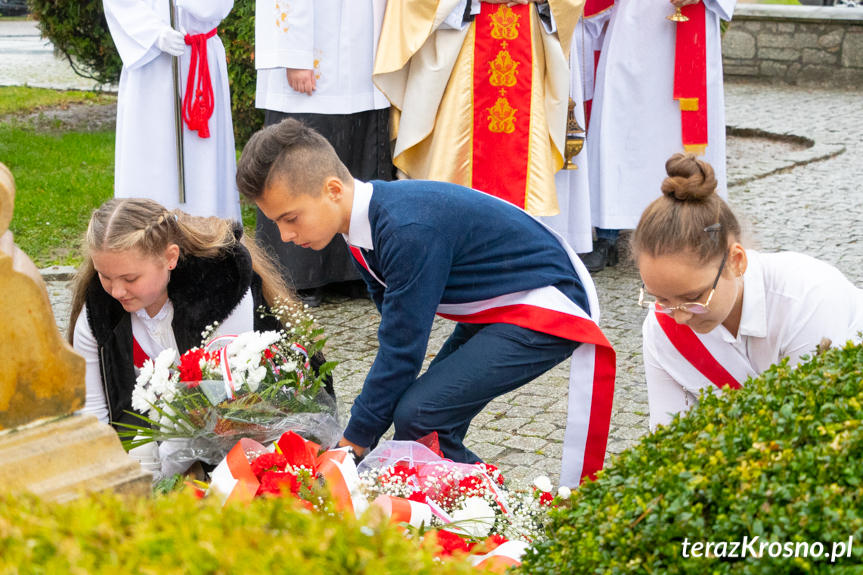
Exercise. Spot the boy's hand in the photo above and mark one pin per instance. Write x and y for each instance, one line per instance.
(358, 451)
(301, 80)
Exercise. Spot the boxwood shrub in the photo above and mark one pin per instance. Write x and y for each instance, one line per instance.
(176, 533)
(780, 460)
(79, 31)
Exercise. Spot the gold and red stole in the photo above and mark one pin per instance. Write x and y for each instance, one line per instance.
(502, 78)
(690, 77)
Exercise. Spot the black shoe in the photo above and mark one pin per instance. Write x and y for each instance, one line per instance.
(604, 255)
(311, 297)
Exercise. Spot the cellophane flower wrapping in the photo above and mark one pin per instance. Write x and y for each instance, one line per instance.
(470, 501)
(253, 385)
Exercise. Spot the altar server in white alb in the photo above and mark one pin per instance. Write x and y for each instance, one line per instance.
(721, 313)
(314, 60)
(146, 153)
(573, 189)
(658, 92)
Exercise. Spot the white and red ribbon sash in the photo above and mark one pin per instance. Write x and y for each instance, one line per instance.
(695, 352)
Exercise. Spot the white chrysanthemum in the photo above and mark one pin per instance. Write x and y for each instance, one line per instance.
(543, 483)
(475, 517)
(255, 376)
(564, 492)
(145, 373)
(289, 366)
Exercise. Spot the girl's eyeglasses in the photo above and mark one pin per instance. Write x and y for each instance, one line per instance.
(689, 307)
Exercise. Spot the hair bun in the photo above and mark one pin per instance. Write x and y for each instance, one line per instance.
(689, 179)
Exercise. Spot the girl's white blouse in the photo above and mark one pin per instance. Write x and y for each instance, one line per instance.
(790, 302)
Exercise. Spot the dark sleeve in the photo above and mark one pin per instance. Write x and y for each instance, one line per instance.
(376, 290)
(415, 264)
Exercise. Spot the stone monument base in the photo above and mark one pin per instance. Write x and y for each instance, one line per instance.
(61, 459)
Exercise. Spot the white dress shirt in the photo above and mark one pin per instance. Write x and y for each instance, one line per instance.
(790, 302)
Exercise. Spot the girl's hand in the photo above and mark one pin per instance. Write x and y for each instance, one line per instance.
(302, 81)
(682, 3)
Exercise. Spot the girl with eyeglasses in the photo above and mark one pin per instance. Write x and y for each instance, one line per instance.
(720, 313)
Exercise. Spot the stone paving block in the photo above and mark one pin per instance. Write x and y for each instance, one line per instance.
(540, 428)
(527, 444)
(488, 452)
(477, 434)
(516, 458)
(508, 424)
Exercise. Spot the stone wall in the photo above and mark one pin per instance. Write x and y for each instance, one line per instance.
(804, 45)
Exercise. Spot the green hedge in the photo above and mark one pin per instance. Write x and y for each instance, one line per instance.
(179, 534)
(779, 460)
(79, 31)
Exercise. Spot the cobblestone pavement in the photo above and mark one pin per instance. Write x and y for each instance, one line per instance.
(801, 193)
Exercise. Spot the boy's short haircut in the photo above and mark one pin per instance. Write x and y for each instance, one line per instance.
(288, 152)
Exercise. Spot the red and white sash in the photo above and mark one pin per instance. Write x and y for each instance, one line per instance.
(592, 371)
(695, 352)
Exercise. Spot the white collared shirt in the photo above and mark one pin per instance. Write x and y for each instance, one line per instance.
(360, 232)
(790, 302)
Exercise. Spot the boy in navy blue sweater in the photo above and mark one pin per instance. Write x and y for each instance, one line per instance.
(522, 299)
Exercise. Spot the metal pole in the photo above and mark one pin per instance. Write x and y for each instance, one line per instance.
(178, 115)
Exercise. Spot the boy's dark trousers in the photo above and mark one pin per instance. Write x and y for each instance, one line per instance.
(478, 363)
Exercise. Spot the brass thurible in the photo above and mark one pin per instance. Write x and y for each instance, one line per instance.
(574, 138)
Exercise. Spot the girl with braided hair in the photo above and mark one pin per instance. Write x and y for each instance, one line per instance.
(721, 313)
(154, 279)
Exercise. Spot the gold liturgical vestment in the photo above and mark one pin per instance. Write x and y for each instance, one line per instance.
(484, 106)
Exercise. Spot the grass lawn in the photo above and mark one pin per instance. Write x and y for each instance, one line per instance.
(24, 99)
(59, 179)
(61, 175)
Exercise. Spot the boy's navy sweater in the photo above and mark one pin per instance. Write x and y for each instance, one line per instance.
(439, 243)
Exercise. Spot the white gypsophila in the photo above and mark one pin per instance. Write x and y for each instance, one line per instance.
(475, 517)
(543, 483)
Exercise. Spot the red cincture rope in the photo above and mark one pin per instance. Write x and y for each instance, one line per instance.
(198, 100)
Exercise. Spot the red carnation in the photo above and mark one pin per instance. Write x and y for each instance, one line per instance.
(492, 471)
(278, 482)
(417, 496)
(268, 462)
(190, 367)
(470, 484)
(545, 498)
(450, 543)
(493, 541)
